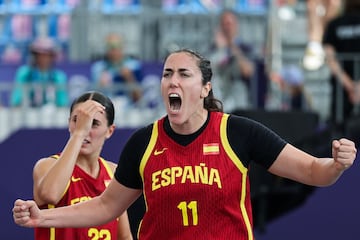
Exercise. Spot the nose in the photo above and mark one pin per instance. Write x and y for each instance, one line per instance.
(174, 80)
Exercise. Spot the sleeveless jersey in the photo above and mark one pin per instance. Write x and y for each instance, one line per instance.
(82, 187)
(198, 191)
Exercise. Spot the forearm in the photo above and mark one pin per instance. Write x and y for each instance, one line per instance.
(124, 231)
(325, 171)
(50, 187)
(300, 166)
(84, 214)
(246, 66)
(336, 69)
(343, 78)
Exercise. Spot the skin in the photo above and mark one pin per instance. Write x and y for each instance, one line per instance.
(88, 127)
(317, 23)
(44, 61)
(182, 76)
(351, 85)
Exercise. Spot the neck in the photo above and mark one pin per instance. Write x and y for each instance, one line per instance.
(191, 125)
(90, 166)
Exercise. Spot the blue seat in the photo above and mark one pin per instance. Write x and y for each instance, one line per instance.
(121, 6)
(25, 6)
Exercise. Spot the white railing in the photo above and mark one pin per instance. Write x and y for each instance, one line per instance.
(13, 119)
(50, 116)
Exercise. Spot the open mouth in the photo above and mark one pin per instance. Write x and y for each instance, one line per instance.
(175, 102)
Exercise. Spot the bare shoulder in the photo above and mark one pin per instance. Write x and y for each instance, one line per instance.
(42, 166)
(44, 162)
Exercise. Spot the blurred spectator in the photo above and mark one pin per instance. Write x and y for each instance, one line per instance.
(290, 81)
(117, 74)
(342, 48)
(39, 82)
(319, 13)
(233, 66)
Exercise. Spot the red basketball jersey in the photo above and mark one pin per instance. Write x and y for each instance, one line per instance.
(198, 191)
(82, 187)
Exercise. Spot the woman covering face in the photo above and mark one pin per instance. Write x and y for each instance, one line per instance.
(78, 172)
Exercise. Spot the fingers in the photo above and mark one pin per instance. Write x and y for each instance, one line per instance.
(344, 145)
(21, 211)
(344, 152)
(21, 205)
(92, 107)
(85, 114)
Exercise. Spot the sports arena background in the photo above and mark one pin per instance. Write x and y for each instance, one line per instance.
(151, 28)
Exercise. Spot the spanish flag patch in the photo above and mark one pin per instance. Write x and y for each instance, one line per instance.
(211, 149)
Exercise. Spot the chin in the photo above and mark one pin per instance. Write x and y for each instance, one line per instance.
(176, 119)
(84, 151)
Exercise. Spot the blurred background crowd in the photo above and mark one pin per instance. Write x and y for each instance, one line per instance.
(270, 55)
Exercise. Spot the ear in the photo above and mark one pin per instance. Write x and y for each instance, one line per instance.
(205, 90)
(111, 130)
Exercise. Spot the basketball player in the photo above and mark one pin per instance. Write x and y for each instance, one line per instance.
(78, 173)
(192, 166)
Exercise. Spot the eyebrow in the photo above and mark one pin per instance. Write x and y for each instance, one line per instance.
(96, 121)
(180, 70)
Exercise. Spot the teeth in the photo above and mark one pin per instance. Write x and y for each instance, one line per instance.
(174, 95)
(174, 101)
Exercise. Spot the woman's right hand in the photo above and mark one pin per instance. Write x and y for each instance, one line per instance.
(26, 213)
(85, 114)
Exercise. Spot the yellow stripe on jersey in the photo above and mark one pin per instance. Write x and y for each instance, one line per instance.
(242, 169)
(148, 151)
(56, 156)
(145, 158)
(108, 170)
(107, 167)
(52, 229)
